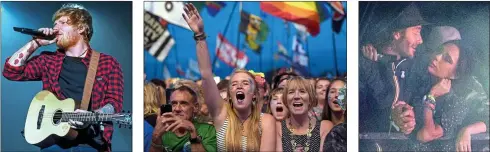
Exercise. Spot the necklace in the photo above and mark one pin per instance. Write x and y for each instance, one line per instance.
(83, 53)
(241, 124)
(308, 135)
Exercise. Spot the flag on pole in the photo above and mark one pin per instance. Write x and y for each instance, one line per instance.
(290, 60)
(212, 7)
(168, 10)
(299, 53)
(255, 30)
(158, 40)
(304, 13)
(323, 10)
(229, 54)
(338, 16)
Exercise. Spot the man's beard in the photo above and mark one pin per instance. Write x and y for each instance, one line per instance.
(67, 40)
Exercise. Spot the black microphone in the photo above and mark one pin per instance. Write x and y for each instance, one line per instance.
(34, 33)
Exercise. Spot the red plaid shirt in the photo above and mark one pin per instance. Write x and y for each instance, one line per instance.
(108, 85)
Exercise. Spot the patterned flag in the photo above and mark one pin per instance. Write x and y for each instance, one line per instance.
(323, 10)
(171, 11)
(255, 30)
(229, 54)
(158, 40)
(212, 7)
(299, 53)
(338, 16)
(302, 31)
(290, 60)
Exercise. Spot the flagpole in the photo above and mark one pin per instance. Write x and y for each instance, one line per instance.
(272, 50)
(224, 33)
(335, 55)
(176, 52)
(288, 41)
(309, 59)
(238, 34)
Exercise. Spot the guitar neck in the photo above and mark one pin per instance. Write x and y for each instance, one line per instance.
(87, 117)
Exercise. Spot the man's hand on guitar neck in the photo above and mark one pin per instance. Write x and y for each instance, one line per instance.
(78, 124)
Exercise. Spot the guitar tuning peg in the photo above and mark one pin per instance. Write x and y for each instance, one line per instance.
(129, 111)
(123, 111)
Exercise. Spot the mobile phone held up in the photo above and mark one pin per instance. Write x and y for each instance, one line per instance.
(165, 108)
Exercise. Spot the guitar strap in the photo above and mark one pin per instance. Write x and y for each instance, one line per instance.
(89, 81)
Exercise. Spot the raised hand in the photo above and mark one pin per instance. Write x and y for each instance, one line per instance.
(370, 52)
(193, 18)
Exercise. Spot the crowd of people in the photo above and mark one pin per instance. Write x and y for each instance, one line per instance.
(243, 112)
(426, 101)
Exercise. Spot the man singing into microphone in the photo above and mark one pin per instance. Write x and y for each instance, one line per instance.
(64, 72)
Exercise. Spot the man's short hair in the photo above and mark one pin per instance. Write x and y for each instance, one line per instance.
(223, 84)
(78, 16)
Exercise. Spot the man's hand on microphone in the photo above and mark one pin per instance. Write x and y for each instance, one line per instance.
(47, 32)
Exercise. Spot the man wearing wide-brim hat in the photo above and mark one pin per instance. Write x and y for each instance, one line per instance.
(394, 32)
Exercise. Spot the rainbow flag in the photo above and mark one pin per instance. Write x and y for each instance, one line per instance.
(304, 13)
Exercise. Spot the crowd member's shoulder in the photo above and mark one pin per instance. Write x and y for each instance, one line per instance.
(203, 126)
(325, 126)
(268, 118)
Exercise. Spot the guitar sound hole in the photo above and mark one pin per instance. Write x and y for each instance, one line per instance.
(57, 116)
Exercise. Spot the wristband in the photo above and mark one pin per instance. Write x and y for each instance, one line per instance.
(156, 145)
(430, 106)
(199, 37)
(196, 140)
(430, 99)
(34, 39)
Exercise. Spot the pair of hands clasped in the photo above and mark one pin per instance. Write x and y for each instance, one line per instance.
(170, 122)
(403, 114)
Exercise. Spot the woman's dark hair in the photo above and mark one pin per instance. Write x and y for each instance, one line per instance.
(326, 109)
(463, 69)
(277, 79)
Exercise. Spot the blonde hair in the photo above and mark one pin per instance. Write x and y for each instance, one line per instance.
(78, 16)
(151, 99)
(233, 136)
(300, 82)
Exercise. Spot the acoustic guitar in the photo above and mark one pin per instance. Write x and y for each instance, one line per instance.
(47, 119)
